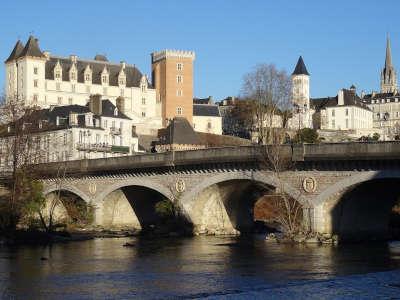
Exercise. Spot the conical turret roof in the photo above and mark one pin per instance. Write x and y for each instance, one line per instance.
(32, 48)
(18, 48)
(300, 68)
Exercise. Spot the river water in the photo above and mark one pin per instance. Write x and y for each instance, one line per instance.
(189, 268)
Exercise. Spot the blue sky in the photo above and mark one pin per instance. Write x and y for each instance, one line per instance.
(342, 42)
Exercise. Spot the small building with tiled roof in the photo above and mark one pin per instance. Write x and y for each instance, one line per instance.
(206, 116)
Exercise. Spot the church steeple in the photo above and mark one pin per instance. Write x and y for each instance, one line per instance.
(388, 75)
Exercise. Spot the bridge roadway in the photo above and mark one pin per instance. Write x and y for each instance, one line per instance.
(345, 188)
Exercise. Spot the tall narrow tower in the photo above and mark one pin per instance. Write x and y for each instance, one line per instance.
(388, 75)
(301, 86)
(172, 77)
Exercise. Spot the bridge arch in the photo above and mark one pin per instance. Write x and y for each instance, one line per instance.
(365, 205)
(50, 188)
(352, 180)
(223, 203)
(131, 203)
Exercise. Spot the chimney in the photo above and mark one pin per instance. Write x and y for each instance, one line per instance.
(73, 58)
(341, 97)
(120, 103)
(46, 54)
(73, 119)
(95, 104)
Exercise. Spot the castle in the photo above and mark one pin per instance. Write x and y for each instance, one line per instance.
(38, 78)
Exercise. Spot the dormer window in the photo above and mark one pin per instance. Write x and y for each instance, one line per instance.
(104, 76)
(143, 84)
(104, 79)
(121, 81)
(88, 74)
(58, 71)
(58, 75)
(73, 76)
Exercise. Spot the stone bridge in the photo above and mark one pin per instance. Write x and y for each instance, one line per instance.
(345, 188)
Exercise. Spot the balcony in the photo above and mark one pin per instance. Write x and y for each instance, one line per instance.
(102, 147)
(115, 131)
(120, 149)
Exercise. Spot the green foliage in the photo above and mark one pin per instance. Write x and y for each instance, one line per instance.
(306, 135)
(165, 209)
(376, 136)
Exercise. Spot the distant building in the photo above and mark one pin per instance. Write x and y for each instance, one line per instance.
(71, 132)
(172, 75)
(346, 111)
(41, 79)
(206, 116)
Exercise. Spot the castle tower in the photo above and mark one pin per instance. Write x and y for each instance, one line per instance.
(172, 77)
(25, 73)
(12, 70)
(301, 85)
(388, 74)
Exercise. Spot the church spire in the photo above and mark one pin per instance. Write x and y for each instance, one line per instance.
(388, 74)
(388, 59)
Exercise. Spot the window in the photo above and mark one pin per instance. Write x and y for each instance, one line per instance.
(58, 75)
(73, 76)
(121, 81)
(69, 101)
(179, 66)
(209, 125)
(143, 88)
(35, 83)
(59, 100)
(87, 77)
(105, 123)
(104, 79)
(347, 112)
(35, 98)
(179, 79)
(143, 114)
(333, 124)
(113, 123)
(35, 70)
(179, 110)
(378, 116)
(73, 88)
(144, 101)
(179, 93)
(397, 114)
(333, 112)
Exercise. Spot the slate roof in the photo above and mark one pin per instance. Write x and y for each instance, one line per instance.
(32, 49)
(207, 100)
(300, 68)
(179, 131)
(349, 98)
(206, 110)
(133, 75)
(18, 48)
(108, 110)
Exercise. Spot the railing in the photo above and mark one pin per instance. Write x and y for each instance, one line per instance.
(115, 131)
(102, 147)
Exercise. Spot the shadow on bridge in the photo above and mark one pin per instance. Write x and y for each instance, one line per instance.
(368, 211)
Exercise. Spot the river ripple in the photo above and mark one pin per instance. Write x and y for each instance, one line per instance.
(177, 268)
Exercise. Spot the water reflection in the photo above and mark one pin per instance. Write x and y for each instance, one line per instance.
(195, 267)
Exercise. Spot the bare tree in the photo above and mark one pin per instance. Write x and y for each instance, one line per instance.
(270, 89)
(20, 148)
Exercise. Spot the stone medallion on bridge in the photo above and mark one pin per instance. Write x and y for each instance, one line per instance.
(309, 184)
(92, 188)
(180, 185)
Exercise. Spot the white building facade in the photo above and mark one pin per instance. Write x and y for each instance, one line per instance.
(44, 80)
(74, 132)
